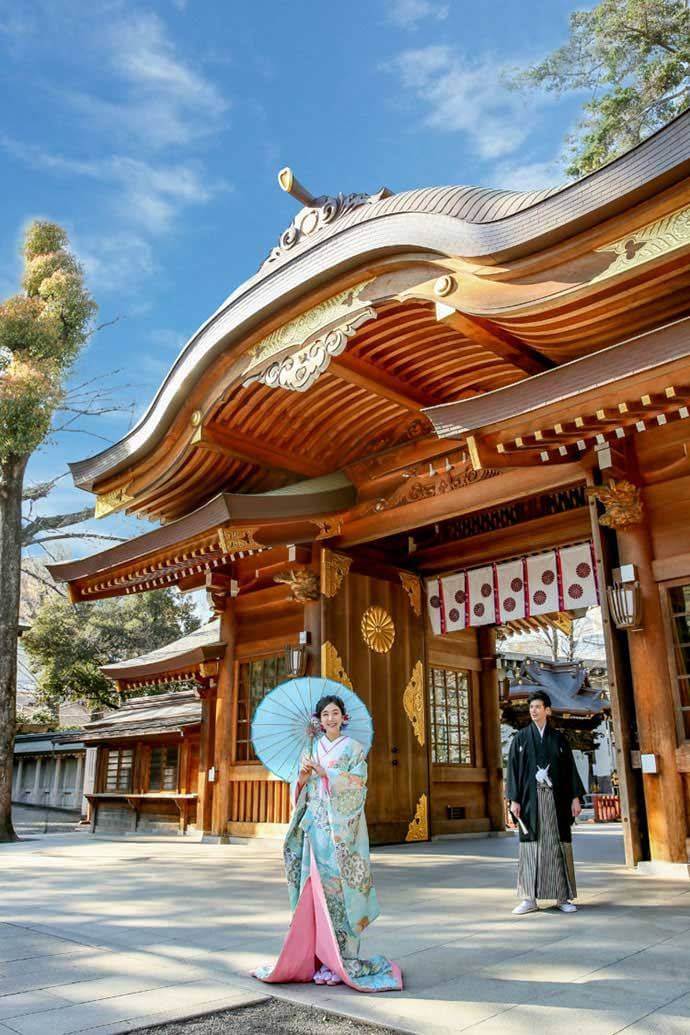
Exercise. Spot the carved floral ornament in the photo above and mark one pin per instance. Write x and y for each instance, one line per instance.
(378, 630)
(314, 338)
(234, 539)
(623, 503)
(419, 827)
(649, 242)
(332, 666)
(413, 702)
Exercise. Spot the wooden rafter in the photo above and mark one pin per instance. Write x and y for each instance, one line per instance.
(250, 450)
(366, 375)
(494, 339)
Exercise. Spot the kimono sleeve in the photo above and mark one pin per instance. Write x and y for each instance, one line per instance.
(577, 789)
(347, 784)
(513, 782)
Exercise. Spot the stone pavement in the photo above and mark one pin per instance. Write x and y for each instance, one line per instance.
(106, 936)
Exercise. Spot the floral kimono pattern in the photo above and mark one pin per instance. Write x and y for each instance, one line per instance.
(332, 895)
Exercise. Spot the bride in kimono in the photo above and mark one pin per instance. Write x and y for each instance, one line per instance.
(326, 854)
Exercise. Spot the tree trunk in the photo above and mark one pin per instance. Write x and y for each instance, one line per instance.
(11, 486)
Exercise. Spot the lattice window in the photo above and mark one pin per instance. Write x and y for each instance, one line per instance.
(163, 768)
(255, 679)
(679, 598)
(451, 725)
(118, 770)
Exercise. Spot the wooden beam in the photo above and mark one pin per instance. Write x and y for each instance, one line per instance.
(251, 451)
(359, 372)
(494, 339)
(407, 454)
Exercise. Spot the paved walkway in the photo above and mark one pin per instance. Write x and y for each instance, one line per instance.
(106, 936)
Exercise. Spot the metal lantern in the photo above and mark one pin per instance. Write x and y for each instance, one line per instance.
(296, 659)
(625, 598)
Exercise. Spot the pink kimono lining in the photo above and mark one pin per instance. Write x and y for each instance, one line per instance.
(311, 937)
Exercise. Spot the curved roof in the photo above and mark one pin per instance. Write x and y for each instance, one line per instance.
(339, 234)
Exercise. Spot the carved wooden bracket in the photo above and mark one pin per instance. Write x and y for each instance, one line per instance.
(334, 568)
(419, 827)
(302, 582)
(623, 502)
(412, 585)
(413, 702)
(219, 589)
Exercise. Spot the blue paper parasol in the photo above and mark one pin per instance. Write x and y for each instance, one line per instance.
(283, 727)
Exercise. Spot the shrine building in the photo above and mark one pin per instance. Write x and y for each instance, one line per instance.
(428, 415)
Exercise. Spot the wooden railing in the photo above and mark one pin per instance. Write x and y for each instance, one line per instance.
(258, 797)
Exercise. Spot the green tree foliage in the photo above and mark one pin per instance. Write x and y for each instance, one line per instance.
(632, 57)
(41, 333)
(68, 642)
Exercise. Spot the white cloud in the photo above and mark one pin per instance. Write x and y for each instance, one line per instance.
(148, 196)
(165, 102)
(407, 14)
(116, 262)
(466, 96)
(527, 175)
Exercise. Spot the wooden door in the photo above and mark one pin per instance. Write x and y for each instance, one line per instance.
(373, 640)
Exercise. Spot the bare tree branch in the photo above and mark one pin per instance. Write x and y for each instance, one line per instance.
(50, 522)
(78, 535)
(39, 578)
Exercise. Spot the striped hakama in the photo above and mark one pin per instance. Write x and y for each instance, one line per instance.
(545, 866)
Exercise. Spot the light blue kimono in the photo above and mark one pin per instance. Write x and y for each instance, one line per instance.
(329, 824)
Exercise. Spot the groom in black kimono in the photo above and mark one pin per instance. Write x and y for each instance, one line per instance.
(545, 792)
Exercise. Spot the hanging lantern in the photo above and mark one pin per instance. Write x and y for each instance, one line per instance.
(625, 598)
(296, 660)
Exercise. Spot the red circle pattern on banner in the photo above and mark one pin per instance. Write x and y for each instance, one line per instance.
(460, 596)
(539, 597)
(487, 590)
(548, 577)
(583, 570)
(435, 601)
(516, 585)
(479, 610)
(575, 591)
(509, 604)
(453, 614)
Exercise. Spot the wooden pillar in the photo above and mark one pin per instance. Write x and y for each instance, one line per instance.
(223, 722)
(312, 620)
(623, 718)
(204, 811)
(491, 725)
(654, 705)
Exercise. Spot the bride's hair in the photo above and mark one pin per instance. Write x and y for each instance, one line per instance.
(323, 702)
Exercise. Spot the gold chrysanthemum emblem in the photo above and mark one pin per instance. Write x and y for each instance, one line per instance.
(378, 629)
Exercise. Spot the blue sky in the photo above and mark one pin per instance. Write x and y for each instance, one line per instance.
(154, 133)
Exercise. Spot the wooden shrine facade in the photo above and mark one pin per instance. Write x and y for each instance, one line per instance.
(414, 385)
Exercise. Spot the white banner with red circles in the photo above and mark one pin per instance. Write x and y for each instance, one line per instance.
(435, 606)
(578, 572)
(510, 581)
(455, 601)
(481, 596)
(542, 583)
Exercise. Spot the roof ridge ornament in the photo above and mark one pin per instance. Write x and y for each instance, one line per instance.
(317, 212)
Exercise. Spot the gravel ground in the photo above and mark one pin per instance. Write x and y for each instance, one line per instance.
(274, 1017)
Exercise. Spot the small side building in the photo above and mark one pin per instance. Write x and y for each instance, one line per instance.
(148, 752)
(48, 772)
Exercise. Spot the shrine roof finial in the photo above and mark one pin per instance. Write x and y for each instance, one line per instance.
(291, 185)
